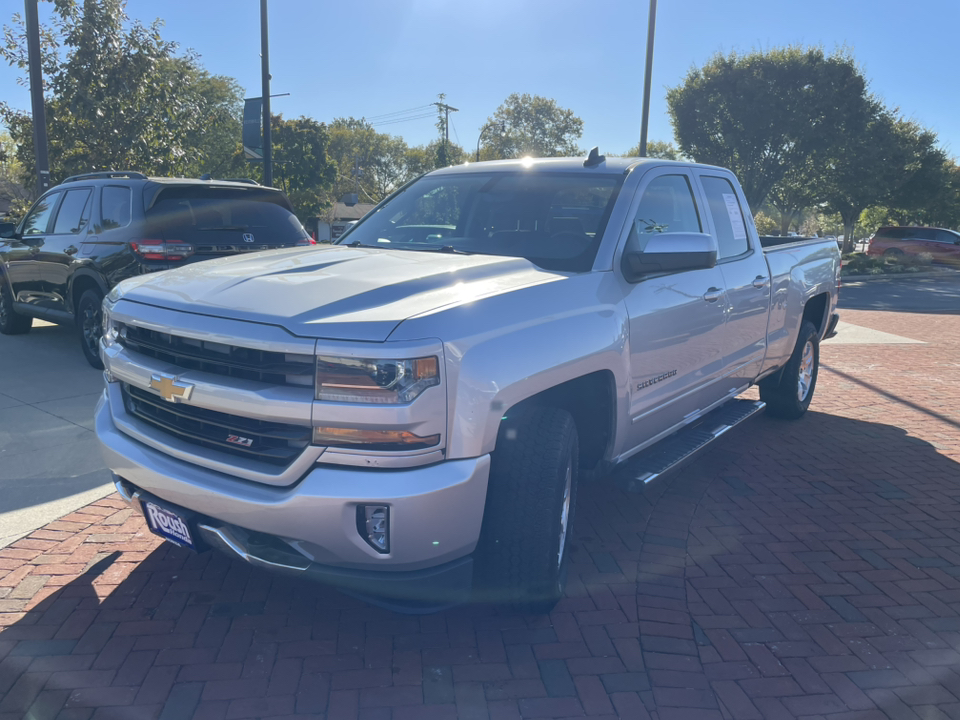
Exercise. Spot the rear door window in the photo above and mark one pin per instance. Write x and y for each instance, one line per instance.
(925, 234)
(74, 212)
(727, 213)
(115, 206)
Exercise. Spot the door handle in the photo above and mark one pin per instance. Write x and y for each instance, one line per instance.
(712, 295)
(760, 281)
(71, 250)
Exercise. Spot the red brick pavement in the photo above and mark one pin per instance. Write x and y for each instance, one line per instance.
(801, 570)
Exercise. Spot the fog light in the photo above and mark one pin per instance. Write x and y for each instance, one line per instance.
(373, 524)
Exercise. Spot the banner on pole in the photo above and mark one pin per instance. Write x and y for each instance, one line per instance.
(252, 135)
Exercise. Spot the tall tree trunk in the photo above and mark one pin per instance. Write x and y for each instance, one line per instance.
(784, 222)
(848, 236)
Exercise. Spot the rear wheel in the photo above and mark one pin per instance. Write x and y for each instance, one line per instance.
(789, 394)
(90, 326)
(11, 322)
(531, 498)
(893, 252)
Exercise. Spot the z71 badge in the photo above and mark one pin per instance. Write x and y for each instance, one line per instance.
(237, 440)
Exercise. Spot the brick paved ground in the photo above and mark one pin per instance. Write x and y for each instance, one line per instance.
(802, 570)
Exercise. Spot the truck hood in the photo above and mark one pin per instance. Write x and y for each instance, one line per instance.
(338, 292)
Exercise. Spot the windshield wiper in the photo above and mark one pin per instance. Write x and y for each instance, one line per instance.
(430, 248)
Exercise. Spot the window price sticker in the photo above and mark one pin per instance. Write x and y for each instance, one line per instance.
(736, 219)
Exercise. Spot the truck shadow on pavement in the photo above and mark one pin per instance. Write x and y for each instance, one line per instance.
(803, 568)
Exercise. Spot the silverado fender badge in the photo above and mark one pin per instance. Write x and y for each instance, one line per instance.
(171, 389)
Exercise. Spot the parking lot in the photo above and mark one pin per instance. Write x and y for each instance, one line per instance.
(799, 570)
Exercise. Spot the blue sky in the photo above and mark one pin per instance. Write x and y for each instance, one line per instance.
(369, 59)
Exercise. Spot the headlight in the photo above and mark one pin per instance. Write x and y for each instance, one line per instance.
(109, 327)
(366, 380)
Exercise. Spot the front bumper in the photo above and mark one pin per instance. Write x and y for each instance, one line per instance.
(435, 513)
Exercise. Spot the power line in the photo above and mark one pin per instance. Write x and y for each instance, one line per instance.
(384, 116)
(403, 120)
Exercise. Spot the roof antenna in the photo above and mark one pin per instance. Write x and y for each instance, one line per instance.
(594, 158)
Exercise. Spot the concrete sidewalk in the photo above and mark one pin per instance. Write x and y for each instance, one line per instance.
(801, 570)
(49, 462)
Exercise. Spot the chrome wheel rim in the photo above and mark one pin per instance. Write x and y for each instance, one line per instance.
(565, 513)
(806, 372)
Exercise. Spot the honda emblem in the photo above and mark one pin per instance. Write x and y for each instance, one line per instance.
(248, 237)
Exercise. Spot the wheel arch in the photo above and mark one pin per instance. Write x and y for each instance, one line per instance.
(81, 281)
(591, 400)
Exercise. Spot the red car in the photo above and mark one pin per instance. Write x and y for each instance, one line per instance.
(944, 245)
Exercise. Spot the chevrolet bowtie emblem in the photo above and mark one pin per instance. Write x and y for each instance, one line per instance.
(171, 389)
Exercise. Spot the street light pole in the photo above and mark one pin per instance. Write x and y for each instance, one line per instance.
(503, 131)
(647, 77)
(265, 72)
(36, 96)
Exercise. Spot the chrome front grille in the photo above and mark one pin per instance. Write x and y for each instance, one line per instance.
(276, 368)
(269, 442)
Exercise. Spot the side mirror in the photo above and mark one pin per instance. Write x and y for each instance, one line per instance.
(7, 230)
(668, 253)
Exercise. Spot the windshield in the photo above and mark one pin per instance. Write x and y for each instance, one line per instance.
(555, 220)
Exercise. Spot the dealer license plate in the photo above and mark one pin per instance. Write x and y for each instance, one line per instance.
(168, 525)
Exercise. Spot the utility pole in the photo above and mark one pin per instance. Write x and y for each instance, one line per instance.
(446, 123)
(647, 77)
(36, 96)
(265, 71)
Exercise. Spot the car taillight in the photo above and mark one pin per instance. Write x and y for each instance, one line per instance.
(162, 249)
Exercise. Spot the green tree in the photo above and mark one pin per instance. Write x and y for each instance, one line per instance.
(369, 163)
(657, 149)
(925, 196)
(12, 191)
(119, 96)
(874, 159)
(301, 164)
(764, 113)
(534, 126)
(422, 158)
(798, 190)
(766, 225)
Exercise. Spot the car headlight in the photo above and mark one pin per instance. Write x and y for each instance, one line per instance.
(375, 381)
(110, 329)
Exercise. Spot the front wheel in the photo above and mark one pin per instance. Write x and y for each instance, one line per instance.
(531, 498)
(789, 394)
(90, 326)
(11, 322)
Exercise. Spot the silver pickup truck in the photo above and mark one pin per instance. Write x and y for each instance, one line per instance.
(406, 414)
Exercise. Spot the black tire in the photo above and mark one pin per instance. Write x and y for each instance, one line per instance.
(90, 326)
(893, 252)
(11, 322)
(784, 393)
(524, 546)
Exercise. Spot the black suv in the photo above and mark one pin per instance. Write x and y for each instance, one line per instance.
(92, 231)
